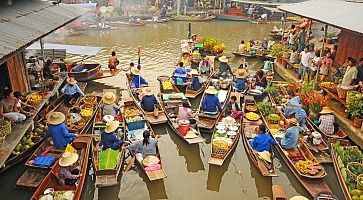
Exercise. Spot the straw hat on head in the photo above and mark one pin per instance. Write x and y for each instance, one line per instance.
(150, 160)
(223, 59)
(265, 155)
(109, 98)
(111, 126)
(228, 120)
(55, 118)
(326, 110)
(147, 91)
(135, 71)
(190, 135)
(68, 159)
(211, 90)
(299, 198)
(241, 73)
(194, 72)
(293, 121)
(71, 80)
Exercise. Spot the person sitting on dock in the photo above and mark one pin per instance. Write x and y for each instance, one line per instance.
(137, 81)
(326, 120)
(20, 104)
(262, 141)
(109, 138)
(291, 137)
(113, 61)
(211, 103)
(148, 101)
(145, 147)
(233, 108)
(204, 66)
(109, 106)
(241, 80)
(224, 69)
(9, 109)
(242, 47)
(260, 78)
(71, 90)
(294, 110)
(68, 173)
(58, 131)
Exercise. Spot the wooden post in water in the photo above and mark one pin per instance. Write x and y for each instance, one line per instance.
(189, 30)
(177, 7)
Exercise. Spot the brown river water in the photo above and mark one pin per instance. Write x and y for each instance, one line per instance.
(189, 175)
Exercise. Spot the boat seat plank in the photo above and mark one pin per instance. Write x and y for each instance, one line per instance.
(215, 161)
(31, 178)
(199, 139)
(106, 180)
(155, 175)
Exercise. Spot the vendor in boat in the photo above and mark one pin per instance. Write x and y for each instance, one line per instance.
(326, 120)
(20, 104)
(291, 137)
(109, 106)
(264, 44)
(137, 81)
(149, 100)
(204, 66)
(71, 90)
(109, 137)
(233, 108)
(196, 83)
(210, 103)
(9, 107)
(58, 131)
(68, 172)
(241, 80)
(224, 69)
(294, 110)
(185, 59)
(242, 47)
(260, 78)
(180, 74)
(185, 112)
(263, 140)
(145, 147)
(113, 61)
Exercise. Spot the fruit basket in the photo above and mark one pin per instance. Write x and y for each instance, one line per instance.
(135, 122)
(354, 169)
(252, 116)
(251, 108)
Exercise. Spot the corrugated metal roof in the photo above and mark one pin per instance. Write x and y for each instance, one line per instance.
(26, 22)
(341, 14)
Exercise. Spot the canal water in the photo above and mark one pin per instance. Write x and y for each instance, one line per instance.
(189, 175)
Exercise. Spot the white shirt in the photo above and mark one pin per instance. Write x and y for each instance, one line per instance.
(305, 57)
(313, 65)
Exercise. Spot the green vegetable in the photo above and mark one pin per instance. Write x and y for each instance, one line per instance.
(272, 90)
(265, 108)
(273, 118)
(108, 159)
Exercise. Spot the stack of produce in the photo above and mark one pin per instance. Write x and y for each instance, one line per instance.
(273, 118)
(330, 86)
(90, 99)
(308, 167)
(265, 108)
(167, 85)
(251, 108)
(252, 116)
(56, 195)
(74, 121)
(86, 113)
(4, 130)
(131, 110)
(34, 99)
(220, 146)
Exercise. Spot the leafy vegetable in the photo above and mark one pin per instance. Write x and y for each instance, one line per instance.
(265, 108)
(108, 159)
(272, 90)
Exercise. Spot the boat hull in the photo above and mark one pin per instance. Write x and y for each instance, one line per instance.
(232, 18)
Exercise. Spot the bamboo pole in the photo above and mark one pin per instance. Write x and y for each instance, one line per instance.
(178, 8)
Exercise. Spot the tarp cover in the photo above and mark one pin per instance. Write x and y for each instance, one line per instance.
(70, 49)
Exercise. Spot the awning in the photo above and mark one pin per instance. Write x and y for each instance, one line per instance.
(70, 49)
(271, 9)
(337, 13)
(25, 22)
(261, 3)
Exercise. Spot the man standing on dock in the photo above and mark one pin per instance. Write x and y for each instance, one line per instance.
(113, 61)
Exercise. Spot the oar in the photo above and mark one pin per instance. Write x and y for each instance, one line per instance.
(130, 163)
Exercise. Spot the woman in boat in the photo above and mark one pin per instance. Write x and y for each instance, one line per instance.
(294, 110)
(148, 101)
(184, 112)
(326, 120)
(137, 81)
(242, 47)
(9, 109)
(180, 74)
(109, 106)
(58, 131)
(241, 80)
(210, 103)
(264, 44)
(109, 137)
(224, 69)
(263, 140)
(71, 90)
(204, 66)
(185, 59)
(196, 81)
(113, 61)
(233, 108)
(261, 80)
(291, 137)
(145, 147)
(68, 173)
(20, 104)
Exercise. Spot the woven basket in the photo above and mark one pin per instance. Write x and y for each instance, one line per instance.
(218, 151)
(2, 140)
(350, 173)
(349, 99)
(342, 93)
(359, 184)
(5, 128)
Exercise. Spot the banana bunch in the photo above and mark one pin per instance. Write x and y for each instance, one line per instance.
(167, 85)
(34, 99)
(302, 165)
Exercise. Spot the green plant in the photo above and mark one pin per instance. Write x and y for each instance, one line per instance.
(265, 108)
(356, 109)
(315, 107)
(212, 44)
(272, 90)
(277, 50)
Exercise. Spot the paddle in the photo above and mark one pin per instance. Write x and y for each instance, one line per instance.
(130, 163)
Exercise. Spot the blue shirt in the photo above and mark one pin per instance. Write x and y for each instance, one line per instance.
(180, 72)
(263, 142)
(109, 140)
(135, 81)
(241, 84)
(211, 103)
(291, 138)
(300, 115)
(148, 103)
(69, 89)
(60, 135)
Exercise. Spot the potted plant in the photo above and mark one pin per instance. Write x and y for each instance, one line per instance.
(356, 111)
(278, 51)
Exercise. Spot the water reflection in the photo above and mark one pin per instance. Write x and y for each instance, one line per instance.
(215, 175)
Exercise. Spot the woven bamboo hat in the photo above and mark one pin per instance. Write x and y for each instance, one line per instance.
(326, 110)
(211, 90)
(223, 59)
(241, 73)
(265, 155)
(299, 198)
(109, 98)
(111, 126)
(147, 91)
(71, 80)
(68, 159)
(190, 135)
(55, 118)
(228, 120)
(135, 71)
(150, 160)
(293, 121)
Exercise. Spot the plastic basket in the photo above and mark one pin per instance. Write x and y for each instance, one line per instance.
(350, 173)
(136, 124)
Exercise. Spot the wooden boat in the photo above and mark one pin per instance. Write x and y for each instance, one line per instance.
(189, 93)
(192, 18)
(339, 134)
(149, 115)
(128, 23)
(82, 145)
(206, 121)
(278, 193)
(134, 134)
(228, 17)
(162, 20)
(218, 155)
(89, 72)
(171, 105)
(248, 128)
(247, 55)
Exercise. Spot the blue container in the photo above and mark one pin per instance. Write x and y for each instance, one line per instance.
(135, 125)
(44, 161)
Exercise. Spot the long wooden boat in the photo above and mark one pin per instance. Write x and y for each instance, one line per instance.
(217, 156)
(127, 23)
(89, 72)
(162, 20)
(232, 17)
(192, 18)
(278, 193)
(206, 121)
(135, 135)
(82, 145)
(312, 183)
(171, 105)
(149, 115)
(247, 55)
(247, 131)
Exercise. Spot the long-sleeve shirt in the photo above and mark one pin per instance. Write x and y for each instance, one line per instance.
(148, 103)
(137, 81)
(69, 89)
(263, 142)
(66, 173)
(229, 107)
(60, 135)
(184, 113)
(110, 109)
(145, 150)
(211, 103)
(327, 123)
(241, 84)
(300, 115)
(109, 140)
(290, 140)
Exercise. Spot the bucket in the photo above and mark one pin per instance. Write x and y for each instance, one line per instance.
(183, 129)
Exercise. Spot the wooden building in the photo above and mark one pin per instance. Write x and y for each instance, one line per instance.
(350, 45)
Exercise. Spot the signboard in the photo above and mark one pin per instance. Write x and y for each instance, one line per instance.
(198, 45)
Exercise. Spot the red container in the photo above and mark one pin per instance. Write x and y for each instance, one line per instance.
(183, 129)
